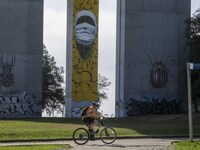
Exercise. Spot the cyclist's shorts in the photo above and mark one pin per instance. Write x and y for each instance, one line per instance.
(88, 120)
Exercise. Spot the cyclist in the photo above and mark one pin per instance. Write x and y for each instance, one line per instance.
(91, 117)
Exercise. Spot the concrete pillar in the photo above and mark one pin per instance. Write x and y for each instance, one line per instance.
(21, 45)
(151, 55)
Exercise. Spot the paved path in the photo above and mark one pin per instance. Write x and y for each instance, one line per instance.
(119, 144)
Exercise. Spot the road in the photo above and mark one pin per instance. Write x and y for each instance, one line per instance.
(119, 144)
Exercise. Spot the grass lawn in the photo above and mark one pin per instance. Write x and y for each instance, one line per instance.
(36, 147)
(51, 128)
(186, 145)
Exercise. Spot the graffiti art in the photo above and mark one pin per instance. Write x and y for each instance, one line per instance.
(85, 32)
(7, 62)
(85, 50)
(136, 107)
(159, 74)
(20, 105)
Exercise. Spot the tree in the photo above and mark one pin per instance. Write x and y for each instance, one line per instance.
(193, 36)
(53, 91)
(193, 40)
(103, 83)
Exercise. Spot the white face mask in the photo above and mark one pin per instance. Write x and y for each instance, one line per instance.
(85, 33)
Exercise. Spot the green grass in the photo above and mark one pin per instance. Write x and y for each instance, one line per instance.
(38, 128)
(36, 147)
(186, 145)
(51, 128)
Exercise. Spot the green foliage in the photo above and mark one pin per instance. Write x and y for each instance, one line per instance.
(187, 145)
(193, 40)
(103, 83)
(53, 91)
(193, 36)
(196, 89)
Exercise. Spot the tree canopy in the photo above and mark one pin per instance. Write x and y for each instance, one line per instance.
(53, 89)
(193, 40)
(103, 83)
(193, 36)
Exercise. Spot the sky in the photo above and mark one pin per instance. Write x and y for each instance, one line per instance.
(55, 39)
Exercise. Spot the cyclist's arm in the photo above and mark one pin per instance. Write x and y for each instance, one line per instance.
(99, 115)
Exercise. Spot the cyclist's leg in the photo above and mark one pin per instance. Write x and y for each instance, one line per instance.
(95, 123)
(92, 126)
(91, 129)
(89, 122)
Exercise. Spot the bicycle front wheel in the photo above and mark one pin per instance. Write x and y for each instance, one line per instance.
(81, 136)
(108, 135)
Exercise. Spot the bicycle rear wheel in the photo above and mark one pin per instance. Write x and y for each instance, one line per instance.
(81, 136)
(108, 135)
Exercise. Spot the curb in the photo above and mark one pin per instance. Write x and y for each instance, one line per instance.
(120, 137)
(36, 140)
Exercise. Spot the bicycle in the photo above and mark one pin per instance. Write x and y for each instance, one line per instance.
(107, 134)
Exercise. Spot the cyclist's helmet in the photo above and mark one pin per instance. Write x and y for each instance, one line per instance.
(96, 104)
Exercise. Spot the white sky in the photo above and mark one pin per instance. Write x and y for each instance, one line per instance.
(55, 39)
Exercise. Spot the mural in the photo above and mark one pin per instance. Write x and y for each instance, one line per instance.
(76, 112)
(19, 105)
(159, 74)
(15, 103)
(138, 107)
(85, 33)
(7, 62)
(153, 98)
(85, 50)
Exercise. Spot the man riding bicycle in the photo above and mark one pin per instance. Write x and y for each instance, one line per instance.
(92, 117)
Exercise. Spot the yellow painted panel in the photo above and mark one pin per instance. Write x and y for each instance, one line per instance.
(85, 50)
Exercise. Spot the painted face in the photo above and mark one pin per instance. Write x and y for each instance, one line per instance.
(85, 31)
